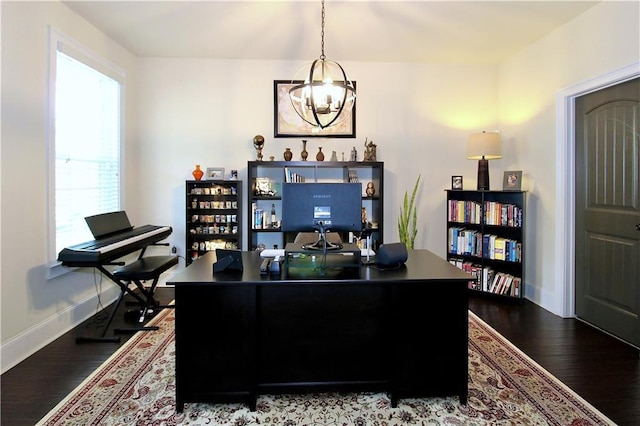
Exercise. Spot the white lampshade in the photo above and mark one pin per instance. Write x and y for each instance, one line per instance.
(484, 145)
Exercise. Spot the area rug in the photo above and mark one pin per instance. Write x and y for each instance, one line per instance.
(136, 386)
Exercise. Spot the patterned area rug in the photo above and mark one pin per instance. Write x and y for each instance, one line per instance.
(137, 386)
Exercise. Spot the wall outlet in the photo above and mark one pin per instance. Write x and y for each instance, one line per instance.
(174, 249)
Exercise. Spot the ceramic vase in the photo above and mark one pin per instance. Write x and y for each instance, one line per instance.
(197, 173)
(287, 154)
(320, 154)
(304, 154)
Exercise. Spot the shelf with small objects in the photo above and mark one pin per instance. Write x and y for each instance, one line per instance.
(213, 216)
(265, 179)
(485, 237)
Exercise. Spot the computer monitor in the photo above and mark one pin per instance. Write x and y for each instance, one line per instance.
(321, 207)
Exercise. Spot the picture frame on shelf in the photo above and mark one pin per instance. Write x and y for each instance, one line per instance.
(263, 186)
(456, 183)
(215, 173)
(288, 124)
(512, 180)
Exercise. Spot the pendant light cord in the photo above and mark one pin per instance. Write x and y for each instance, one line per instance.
(322, 56)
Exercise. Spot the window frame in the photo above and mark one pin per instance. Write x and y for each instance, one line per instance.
(59, 41)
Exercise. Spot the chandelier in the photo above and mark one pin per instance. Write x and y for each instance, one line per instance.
(326, 96)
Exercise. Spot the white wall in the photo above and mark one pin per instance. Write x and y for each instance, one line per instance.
(35, 310)
(186, 112)
(208, 111)
(604, 38)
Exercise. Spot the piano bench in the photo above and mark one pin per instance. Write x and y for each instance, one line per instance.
(146, 268)
(143, 269)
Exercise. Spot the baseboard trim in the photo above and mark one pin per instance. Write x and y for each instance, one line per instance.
(25, 344)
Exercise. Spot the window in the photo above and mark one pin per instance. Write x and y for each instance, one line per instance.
(84, 143)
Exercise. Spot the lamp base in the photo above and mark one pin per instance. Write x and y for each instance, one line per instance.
(483, 175)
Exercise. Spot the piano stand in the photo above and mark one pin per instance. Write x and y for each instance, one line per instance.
(143, 269)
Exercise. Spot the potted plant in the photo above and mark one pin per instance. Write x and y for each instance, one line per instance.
(408, 220)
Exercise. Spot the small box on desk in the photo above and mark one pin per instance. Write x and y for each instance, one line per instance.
(301, 263)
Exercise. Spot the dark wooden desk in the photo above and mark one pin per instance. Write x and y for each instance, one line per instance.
(402, 331)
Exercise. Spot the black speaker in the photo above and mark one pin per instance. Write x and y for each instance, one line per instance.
(392, 254)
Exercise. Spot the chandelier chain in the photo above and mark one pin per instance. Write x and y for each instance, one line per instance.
(324, 97)
(322, 56)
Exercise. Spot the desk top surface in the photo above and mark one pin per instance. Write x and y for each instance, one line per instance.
(421, 265)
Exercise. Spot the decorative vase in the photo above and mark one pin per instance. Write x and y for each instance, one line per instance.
(320, 154)
(304, 154)
(197, 173)
(287, 154)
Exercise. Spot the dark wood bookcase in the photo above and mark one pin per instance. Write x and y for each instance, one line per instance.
(265, 180)
(213, 216)
(485, 237)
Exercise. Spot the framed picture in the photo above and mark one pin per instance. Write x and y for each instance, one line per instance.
(215, 173)
(456, 182)
(288, 124)
(512, 180)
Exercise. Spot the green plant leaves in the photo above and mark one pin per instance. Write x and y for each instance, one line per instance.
(408, 220)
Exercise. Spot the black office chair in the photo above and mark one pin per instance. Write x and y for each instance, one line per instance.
(312, 237)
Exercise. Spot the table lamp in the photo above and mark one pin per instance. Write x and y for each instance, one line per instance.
(483, 147)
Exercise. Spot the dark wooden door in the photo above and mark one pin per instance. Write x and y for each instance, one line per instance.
(608, 209)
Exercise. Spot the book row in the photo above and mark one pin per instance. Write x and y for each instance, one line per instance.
(293, 177)
(493, 213)
(488, 280)
(469, 242)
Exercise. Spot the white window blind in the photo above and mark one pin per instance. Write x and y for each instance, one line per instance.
(87, 145)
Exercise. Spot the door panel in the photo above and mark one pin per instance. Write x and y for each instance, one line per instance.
(608, 209)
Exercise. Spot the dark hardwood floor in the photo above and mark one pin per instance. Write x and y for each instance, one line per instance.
(602, 370)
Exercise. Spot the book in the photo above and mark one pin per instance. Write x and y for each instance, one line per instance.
(499, 249)
(258, 217)
(516, 286)
(494, 282)
(487, 279)
(506, 285)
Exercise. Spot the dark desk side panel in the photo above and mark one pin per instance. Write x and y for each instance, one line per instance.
(430, 339)
(215, 350)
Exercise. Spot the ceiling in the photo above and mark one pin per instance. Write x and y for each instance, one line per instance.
(356, 30)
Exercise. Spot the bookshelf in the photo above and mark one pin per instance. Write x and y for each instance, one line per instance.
(264, 201)
(213, 215)
(485, 237)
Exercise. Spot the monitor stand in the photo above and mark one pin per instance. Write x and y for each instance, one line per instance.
(322, 243)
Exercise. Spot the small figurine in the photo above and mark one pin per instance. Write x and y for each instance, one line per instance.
(369, 151)
(370, 190)
(354, 154)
